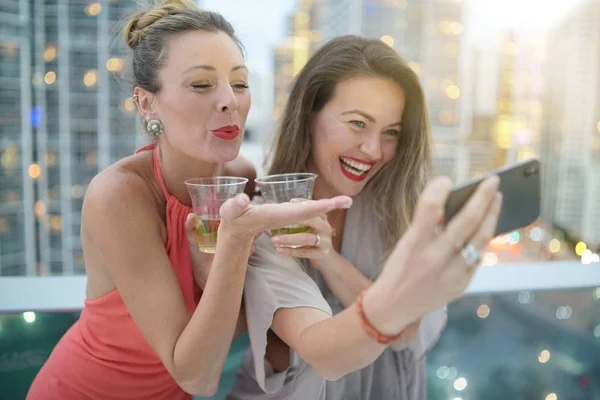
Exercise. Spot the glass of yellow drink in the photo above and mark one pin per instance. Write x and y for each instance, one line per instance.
(208, 195)
(283, 188)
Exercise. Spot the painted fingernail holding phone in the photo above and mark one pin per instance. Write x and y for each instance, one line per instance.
(520, 188)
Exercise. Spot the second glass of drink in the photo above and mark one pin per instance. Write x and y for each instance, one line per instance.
(283, 188)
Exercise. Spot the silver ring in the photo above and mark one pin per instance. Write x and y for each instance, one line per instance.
(317, 240)
(471, 255)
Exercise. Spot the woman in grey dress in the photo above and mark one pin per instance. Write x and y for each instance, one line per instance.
(352, 313)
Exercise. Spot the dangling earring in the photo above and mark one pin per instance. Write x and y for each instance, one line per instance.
(155, 127)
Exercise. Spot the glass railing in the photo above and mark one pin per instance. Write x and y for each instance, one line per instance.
(26, 340)
(529, 345)
(522, 331)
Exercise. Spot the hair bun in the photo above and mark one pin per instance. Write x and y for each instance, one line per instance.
(143, 19)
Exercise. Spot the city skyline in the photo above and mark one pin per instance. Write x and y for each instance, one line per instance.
(69, 116)
(501, 90)
(473, 130)
(68, 113)
(571, 130)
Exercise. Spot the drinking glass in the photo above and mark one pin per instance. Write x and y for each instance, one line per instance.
(208, 195)
(283, 188)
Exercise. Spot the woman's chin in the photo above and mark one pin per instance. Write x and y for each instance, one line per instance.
(351, 193)
(216, 155)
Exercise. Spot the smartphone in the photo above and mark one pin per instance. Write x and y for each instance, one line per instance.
(520, 188)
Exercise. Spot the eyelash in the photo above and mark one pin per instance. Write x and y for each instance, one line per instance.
(362, 124)
(237, 86)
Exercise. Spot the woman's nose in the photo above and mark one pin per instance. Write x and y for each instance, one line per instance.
(227, 101)
(371, 146)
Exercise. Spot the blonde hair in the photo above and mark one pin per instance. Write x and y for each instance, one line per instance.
(393, 192)
(149, 31)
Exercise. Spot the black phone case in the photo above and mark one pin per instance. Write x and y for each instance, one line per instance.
(520, 188)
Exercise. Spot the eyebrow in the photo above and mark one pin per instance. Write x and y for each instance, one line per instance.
(369, 117)
(211, 68)
(238, 67)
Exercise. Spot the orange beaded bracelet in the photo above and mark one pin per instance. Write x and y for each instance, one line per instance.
(369, 329)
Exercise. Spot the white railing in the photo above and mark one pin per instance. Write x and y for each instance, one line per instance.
(66, 293)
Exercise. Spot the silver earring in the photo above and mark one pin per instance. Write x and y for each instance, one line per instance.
(155, 127)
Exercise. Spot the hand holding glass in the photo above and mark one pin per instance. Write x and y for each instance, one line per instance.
(208, 195)
(283, 188)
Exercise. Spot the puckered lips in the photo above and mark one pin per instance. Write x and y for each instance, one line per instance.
(228, 132)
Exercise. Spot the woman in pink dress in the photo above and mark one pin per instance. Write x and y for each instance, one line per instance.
(156, 325)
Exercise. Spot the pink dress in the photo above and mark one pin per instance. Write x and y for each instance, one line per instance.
(104, 355)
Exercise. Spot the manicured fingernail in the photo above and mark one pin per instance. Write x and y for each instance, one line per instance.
(281, 250)
(275, 239)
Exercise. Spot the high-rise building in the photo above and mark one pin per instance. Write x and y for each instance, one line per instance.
(519, 92)
(259, 118)
(570, 146)
(283, 76)
(481, 145)
(290, 56)
(17, 250)
(341, 17)
(64, 116)
(428, 35)
(480, 140)
(512, 131)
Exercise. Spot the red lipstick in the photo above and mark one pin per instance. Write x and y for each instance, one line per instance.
(228, 132)
(371, 163)
(355, 169)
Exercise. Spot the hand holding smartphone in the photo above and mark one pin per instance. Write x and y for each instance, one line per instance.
(520, 188)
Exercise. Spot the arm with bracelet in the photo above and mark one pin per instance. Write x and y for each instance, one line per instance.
(416, 281)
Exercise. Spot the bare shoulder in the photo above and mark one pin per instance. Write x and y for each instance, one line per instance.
(123, 181)
(125, 188)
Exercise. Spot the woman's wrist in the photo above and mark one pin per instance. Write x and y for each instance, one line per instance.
(381, 313)
(232, 248)
(234, 236)
(330, 265)
(372, 331)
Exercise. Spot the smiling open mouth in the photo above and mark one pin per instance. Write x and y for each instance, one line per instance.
(354, 169)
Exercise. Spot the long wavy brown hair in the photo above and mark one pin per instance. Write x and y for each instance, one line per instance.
(393, 192)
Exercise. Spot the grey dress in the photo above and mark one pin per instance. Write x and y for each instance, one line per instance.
(274, 281)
